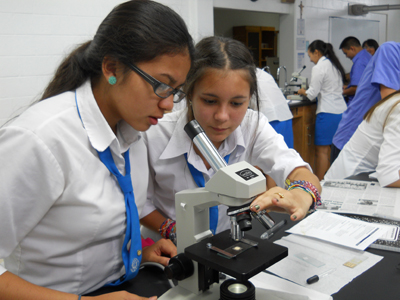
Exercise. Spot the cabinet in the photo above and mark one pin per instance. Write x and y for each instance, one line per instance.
(303, 132)
(262, 42)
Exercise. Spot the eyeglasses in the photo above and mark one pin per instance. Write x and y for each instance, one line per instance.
(162, 90)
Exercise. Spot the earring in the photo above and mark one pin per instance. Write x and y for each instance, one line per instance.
(112, 80)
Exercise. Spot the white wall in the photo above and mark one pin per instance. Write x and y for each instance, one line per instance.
(36, 35)
(316, 14)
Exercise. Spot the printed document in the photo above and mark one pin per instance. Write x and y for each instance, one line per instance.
(360, 197)
(338, 230)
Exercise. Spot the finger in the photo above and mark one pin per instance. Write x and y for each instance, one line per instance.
(255, 207)
(162, 260)
(168, 248)
(143, 298)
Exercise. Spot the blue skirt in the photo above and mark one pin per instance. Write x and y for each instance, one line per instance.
(326, 125)
(284, 128)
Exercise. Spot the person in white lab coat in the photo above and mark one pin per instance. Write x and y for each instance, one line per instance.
(374, 147)
(326, 83)
(219, 87)
(63, 216)
(274, 106)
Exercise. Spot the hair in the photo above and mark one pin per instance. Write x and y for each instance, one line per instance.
(349, 42)
(326, 50)
(130, 33)
(220, 53)
(371, 43)
(369, 113)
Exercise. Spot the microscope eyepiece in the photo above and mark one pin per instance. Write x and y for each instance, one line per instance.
(202, 142)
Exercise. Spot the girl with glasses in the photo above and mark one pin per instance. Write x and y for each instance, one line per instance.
(219, 88)
(69, 217)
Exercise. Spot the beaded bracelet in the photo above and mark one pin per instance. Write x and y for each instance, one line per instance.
(167, 228)
(307, 187)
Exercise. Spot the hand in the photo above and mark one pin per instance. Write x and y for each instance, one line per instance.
(123, 295)
(295, 202)
(301, 92)
(154, 252)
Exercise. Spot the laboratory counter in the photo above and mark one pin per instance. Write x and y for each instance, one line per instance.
(303, 124)
(379, 282)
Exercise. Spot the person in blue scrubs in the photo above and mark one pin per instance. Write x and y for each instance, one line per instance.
(351, 47)
(380, 78)
(371, 46)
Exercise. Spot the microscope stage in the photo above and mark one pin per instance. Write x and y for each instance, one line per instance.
(242, 267)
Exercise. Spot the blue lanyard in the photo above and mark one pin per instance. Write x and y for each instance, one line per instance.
(131, 256)
(199, 180)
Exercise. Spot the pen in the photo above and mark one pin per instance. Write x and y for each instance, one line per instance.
(270, 232)
(315, 278)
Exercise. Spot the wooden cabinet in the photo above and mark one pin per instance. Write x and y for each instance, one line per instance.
(262, 42)
(303, 131)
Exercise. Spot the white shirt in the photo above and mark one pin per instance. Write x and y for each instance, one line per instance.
(62, 213)
(272, 102)
(254, 141)
(372, 147)
(326, 84)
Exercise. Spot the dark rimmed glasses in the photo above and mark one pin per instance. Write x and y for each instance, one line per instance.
(162, 90)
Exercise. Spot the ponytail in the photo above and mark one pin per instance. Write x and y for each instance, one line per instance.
(70, 74)
(131, 33)
(326, 50)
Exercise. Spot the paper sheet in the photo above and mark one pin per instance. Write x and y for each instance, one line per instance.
(285, 289)
(361, 197)
(309, 257)
(339, 230)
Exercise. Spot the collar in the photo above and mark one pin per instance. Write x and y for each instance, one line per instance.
(321, 59)
(180, 143)
(99, 132)
(359, 55)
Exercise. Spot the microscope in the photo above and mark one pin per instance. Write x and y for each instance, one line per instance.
(297, 82)
(202, 255)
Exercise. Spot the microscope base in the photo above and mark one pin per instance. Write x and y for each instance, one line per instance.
(179, 293)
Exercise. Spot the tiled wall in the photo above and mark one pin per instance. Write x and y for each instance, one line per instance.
(34, 36)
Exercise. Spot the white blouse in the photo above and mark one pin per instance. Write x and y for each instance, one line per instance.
(254, 141)
(272, 102)
(326, 84)
(62, 213)
(373, 147)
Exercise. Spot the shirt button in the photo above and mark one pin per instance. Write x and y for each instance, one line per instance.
(139, 252)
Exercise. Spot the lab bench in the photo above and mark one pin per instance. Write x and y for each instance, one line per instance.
(303, 129)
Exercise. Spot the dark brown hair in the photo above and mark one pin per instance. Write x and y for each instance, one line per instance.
(220, 53)
(326, 50)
